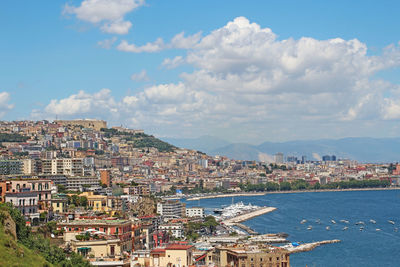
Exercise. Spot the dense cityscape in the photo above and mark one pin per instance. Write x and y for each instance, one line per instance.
(112, 197)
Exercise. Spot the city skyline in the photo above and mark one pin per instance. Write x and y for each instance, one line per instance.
(255, 71)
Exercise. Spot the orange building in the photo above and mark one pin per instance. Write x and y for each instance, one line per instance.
(105, 177)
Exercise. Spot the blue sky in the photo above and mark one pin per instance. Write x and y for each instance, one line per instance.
(277, 70)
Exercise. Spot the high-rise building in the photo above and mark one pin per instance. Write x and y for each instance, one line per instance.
(326, 158)
(279, 157)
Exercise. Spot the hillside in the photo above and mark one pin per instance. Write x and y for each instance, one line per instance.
(13, 253)
(140, 140)
(20, 247)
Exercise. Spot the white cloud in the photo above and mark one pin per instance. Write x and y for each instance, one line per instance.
(117, 27)
(173, 63)
(247, 82)
(109, 13)
(156, 46)
(140, 77)
(5, 105)
(179, 41)
(107, 43)
(83, 103)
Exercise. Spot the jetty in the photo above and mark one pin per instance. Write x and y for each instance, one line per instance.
(248, 216)
(309, 246)
(226, 195)
(269, 238)
(246, 228)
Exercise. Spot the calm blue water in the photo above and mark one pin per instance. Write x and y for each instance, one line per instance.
(366, 248)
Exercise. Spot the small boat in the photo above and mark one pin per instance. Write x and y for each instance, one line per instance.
(362, 228)
(333, 221)
(392, 222)
(345, 228)
(372, 221)
(318, 221)
(309, 227)
(360, 222)
(344, 221)
(396, 229)
(303, 221)
(328, 228)
(218, 211)
(377, 229)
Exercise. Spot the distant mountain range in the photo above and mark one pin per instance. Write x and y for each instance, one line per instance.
(362, 149)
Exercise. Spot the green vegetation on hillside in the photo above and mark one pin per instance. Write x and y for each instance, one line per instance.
(140, 140)
(12, 253)
(33, 244)
(6, 137)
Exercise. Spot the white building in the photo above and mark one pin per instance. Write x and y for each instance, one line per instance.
(175, 229)
(67, 166)
(26, 202)
(170, 209)
(195, 212)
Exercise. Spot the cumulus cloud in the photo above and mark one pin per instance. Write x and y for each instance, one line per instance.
(173, 63)
(107, 43)
(179, 41)
(117, 27)
(156, 46)
(140, 77)
(5, 105)
(107, 13)
(248, 82)
(83, 104)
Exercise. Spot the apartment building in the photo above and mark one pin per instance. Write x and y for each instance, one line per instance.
(195, 212)
(244, 255)
(64, 166)
(171, 209)
(120, 229)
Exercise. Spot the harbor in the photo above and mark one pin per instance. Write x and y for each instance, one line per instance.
(248, 215)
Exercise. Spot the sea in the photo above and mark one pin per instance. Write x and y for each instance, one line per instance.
(369, 247)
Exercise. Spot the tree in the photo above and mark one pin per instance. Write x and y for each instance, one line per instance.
(61, 188)
(285, 186)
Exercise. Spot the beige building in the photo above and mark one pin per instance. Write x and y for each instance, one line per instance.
(98, 248)
(65, 166)
(94, 124)
(172, 255)
(251, 256)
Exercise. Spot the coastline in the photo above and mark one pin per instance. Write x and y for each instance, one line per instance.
(252, 194)
(243, 194)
